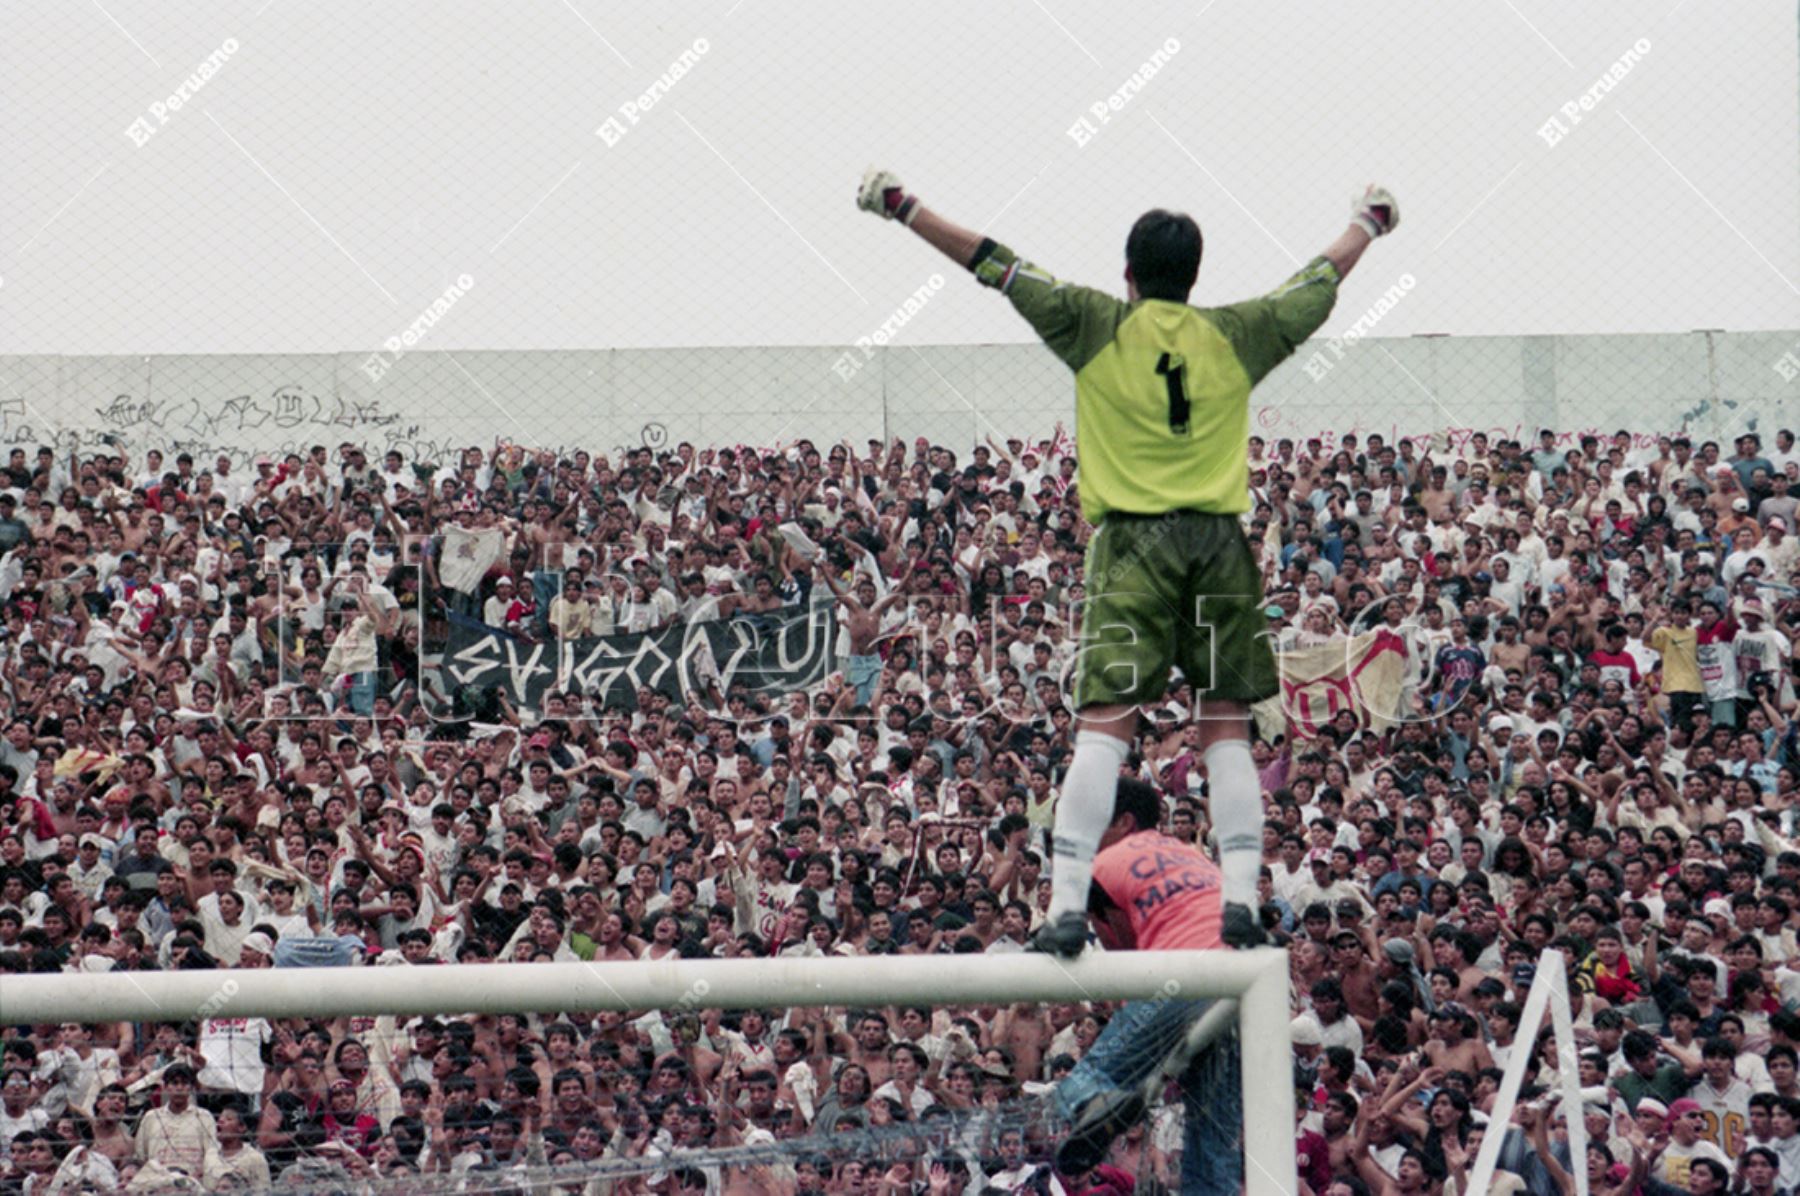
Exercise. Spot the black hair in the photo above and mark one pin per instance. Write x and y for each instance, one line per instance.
(1721, 1174)
(1139, 800)
(1163, 254)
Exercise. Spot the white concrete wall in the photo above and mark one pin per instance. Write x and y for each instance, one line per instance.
(1711, 384)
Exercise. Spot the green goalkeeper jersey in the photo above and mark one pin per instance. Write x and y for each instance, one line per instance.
(1162, 389)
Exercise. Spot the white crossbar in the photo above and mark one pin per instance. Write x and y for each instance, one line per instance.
(1258, 980)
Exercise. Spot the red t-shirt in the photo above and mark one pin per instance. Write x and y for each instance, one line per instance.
(1169, 890)
(1615, 666)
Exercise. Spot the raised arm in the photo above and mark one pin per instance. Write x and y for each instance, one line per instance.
(1536, 1125)
(1373, 213)
(850, 601)
(883, 194)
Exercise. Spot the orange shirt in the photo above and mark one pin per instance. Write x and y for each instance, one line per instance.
(1169, 889)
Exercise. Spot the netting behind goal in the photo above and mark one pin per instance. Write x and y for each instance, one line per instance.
(777, 1076)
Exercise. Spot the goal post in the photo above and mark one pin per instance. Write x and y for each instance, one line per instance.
(1256, 979)
(1548, 997)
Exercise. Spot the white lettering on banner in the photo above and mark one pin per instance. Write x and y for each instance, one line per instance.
(521, 672)
(764, 655)
(607, 665)
(473, 660)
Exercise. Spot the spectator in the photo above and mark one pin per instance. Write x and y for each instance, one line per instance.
(220, 753)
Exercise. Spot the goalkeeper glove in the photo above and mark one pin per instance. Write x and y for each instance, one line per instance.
(1375, 211)
(882, 193)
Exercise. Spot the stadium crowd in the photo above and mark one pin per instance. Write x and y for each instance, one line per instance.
(228, 743)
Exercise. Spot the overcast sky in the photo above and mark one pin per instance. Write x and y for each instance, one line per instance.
(349, 160)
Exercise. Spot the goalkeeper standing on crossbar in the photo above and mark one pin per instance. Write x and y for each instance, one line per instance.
(1162, 410)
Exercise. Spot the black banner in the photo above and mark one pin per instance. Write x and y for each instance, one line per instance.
(775, 653)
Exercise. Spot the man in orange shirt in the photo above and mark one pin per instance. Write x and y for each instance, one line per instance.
(1152, 892)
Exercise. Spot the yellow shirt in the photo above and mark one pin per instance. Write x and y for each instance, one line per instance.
(1162, 389)
(1680, 648)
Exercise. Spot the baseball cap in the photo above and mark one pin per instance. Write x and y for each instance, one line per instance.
(1740, 504)
(1306, 1031)
(1399, 951)
(1500, 722)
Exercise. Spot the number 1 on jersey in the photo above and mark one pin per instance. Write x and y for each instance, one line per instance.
(1170, 366)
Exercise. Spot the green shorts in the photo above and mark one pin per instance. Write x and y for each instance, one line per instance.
(1176, 589)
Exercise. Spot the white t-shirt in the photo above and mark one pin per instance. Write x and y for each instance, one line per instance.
(33, 1119)
(468, 553)
(83, 1078)
(921, 1099)
(1759, 652)
(232, 1047)
(185, 1140)
(1727, 1114)
(1344, 1032)
(1678, 1160)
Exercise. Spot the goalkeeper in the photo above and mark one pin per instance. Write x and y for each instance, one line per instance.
(1162, 403)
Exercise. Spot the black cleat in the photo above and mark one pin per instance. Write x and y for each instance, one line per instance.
(1101, 1120)
(1241, 927)
(1065, 935)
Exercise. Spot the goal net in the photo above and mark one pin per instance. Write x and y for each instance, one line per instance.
(593, 1077)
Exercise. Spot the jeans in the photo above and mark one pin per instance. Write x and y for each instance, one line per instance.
(362, 693)
(1133, 1046)
(864, 675)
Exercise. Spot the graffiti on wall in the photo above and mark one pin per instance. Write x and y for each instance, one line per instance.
(1272, 423)
(286, 419)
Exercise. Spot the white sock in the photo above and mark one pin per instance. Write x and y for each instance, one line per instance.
(1083, 812)
(1237, 815)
